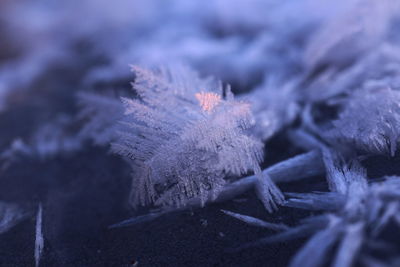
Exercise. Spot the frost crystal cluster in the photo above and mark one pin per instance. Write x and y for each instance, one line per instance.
(184, 136)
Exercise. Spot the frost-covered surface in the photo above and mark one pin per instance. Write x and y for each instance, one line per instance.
(316, 111)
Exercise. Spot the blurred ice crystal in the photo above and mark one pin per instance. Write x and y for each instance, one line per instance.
(351, 34)
(10, 215)
(274, 106)
(370, 120)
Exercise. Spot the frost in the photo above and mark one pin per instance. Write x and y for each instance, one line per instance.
(315, 201)
(139, 219)
(361, 211)
(12, 154)
(294, 169)
(184, 135)
(350, 245)
(343, 176)
(54, 138)
(380, 68)
(39, 243)
(370, 121)
(275, 106)
(322, 76)
(355, 34)
(48, 140)
(101, 114)
(361, 218)
(315, 251)
(235, 56)
(10, 215)
(256, 222)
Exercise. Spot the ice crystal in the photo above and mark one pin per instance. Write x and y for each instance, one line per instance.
(350, 34)
(370, 121)
(39, 242)
(275, 106)
(10, 215)
(357, 213)
(184, 135)
(101, 114)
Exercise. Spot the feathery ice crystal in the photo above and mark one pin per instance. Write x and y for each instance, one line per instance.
(184, 136)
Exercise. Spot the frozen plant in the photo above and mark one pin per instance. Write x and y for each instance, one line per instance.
(184, 135)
